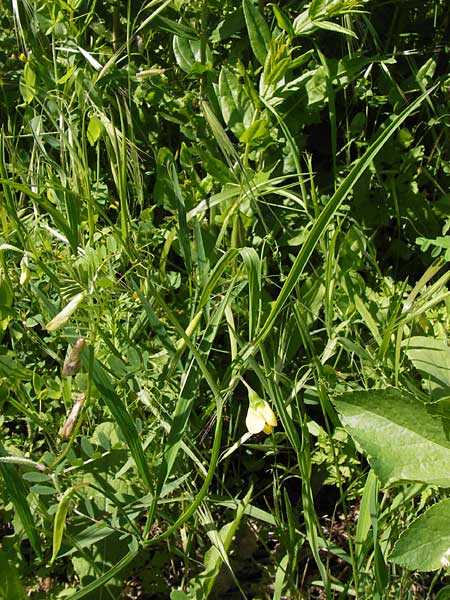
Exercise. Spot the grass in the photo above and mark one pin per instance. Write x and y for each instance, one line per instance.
(218, 198)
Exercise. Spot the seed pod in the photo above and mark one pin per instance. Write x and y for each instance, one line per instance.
(24, 271)
(72, 418)
(73, 362)
(64, 315)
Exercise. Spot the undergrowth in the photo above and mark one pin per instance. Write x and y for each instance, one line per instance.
(216, 223)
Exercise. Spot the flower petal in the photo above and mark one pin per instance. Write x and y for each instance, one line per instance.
(267, 429)
(269, 415)
(254, 421)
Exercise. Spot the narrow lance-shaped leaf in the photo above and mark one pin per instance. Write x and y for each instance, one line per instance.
(258, 30)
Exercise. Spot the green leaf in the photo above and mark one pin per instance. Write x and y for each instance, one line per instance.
(110, 574)
(316, 8)
(36, 476)
(402, 441)
(10, 585)
(43, 490)
(188, 53)
(178, 595)
(443, 593)
(27, 84)
(283, 20)
(253, 270)
(183, 232)
(258, 130)
(425, 545)
(94, 130)
(179, 29)
(432, 359)
(17, 492)
(258, 31)
(330, 26)
(202, 585)
(235, 104)
(67, 75)
(232, 24)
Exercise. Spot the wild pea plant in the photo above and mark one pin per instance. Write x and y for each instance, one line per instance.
(223, 352)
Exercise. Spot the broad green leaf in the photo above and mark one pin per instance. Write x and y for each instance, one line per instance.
(188, 53)
(36, 476)
(425, 545)
(432, 359)
(402, 441)
(258, 130)
(27, 84)
(258, 30)
(443, 593)
(94, 130)
(178, 595)
(235, 104)
(43, 490)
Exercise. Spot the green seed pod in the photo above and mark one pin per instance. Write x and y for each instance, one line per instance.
(25, 272)
(59, 522)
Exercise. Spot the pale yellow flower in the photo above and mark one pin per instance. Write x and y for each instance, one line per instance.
(260, 417)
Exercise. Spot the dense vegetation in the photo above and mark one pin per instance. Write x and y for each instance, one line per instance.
(224, 368)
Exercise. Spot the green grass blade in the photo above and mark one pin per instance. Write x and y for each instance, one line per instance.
(97, 583)
(183, 232)
(252, 265)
